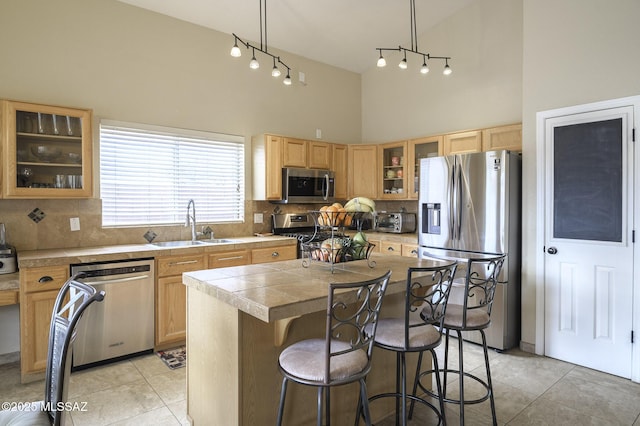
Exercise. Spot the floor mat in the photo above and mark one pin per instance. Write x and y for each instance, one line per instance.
(174, 358)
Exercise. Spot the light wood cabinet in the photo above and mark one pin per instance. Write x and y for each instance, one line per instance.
(267, 167)
(46, 151)
(39, 289)
(391, 247)
(502, 137)
(377, 245)
(273, 254)
(463, 142)
(409, 250)
(392, 175)
(339, 165)
(319, 155)
(431, 146)
(171, 297)
(363, 171)
(229, 258)
(294, 152)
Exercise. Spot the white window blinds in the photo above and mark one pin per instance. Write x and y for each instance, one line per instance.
(149, 174)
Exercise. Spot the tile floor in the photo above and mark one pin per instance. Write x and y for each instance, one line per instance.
(530, 390)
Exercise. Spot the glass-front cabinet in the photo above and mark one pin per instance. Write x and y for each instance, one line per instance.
(420, 148)
(47, 151)
(393, 170)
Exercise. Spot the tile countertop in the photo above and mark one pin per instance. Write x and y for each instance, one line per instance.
(285, 289)
(53, 257)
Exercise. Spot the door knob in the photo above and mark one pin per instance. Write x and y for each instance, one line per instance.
(552, 250)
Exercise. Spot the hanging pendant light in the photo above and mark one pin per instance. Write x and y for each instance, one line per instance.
(424, 69)
(254, 64)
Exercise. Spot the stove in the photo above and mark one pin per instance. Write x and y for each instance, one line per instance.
(301, 226)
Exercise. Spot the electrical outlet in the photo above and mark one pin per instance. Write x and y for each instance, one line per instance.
(258, 218)
(74, 223)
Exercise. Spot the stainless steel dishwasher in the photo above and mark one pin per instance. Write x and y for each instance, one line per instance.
(123, 324)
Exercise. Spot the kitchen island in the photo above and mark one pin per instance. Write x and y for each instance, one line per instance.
(240, 318)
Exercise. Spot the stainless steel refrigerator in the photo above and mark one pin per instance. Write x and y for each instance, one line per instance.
(469, 206)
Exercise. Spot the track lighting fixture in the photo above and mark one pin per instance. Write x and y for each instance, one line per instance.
(414, 49)
(254, 64)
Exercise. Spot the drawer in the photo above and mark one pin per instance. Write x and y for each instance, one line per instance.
(176, 265)
(389, 247)
(229, 258)
(273, 254)
(377, 245)
(9, 297)
(43, 278)
(410, 250)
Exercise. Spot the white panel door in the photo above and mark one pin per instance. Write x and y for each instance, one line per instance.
(588, 239)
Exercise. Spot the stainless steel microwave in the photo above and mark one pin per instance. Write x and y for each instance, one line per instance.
(307, 186)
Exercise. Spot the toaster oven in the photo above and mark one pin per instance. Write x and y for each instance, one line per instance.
(396, 223)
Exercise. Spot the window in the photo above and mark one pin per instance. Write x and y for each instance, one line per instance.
(148, 175)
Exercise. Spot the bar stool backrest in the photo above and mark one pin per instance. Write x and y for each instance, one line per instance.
(352, 317)
(480, 284)
(428, 290)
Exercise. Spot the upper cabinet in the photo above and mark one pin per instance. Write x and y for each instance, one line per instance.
(363, 171)
(392, 170)
(319, 155)
(267, 167)
(463, 142)
(294, 152)
(418, 149)
(503, 137)
(46, 151)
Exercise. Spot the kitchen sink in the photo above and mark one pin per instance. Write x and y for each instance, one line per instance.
(190, 243)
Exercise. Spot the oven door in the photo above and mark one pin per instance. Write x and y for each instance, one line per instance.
(307, 186)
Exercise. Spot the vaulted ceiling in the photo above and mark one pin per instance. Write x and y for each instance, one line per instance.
(342, 33)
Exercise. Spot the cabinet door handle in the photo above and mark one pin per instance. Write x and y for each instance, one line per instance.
(45, 279)
(275, 254)
(183, 262)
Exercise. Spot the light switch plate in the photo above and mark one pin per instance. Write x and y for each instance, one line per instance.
(74, 223)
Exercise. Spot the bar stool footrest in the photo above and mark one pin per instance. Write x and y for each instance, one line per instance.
(456, 401)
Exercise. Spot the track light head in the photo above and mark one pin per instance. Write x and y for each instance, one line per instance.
(424, 69)
(447, 69)
(403, 62)
(275, 72)
(235, 50)
(381, 61)
(287, 79)
(254, 64)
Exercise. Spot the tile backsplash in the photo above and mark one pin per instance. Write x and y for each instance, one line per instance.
(53, 229)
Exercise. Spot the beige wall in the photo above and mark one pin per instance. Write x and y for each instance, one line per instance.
(133, 65)
(485, 88)
(575, 52)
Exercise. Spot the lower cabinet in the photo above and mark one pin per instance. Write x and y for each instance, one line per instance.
(409, 250)
(171, 297)
(273, 254)
(39, 289)
(171, 294)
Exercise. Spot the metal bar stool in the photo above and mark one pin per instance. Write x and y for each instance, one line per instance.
(73, 299)
(474, 314)
(344, 355)
(417, 331)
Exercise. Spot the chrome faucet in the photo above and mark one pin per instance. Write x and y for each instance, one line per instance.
(191, 219)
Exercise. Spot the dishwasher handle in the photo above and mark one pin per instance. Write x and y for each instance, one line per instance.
(118, 280)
